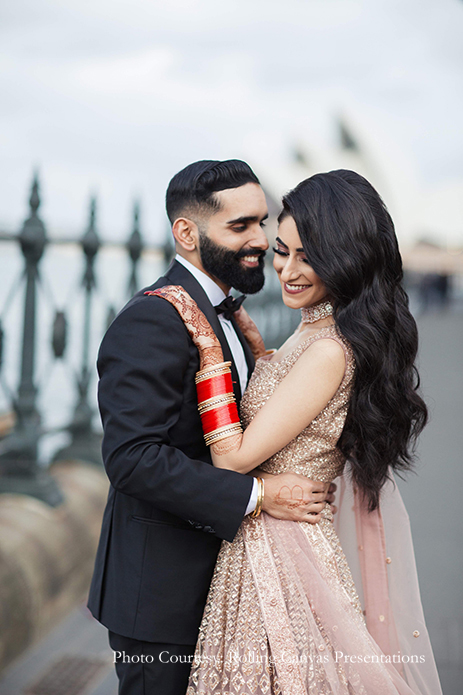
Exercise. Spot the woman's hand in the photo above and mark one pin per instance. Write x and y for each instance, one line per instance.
(250, 331)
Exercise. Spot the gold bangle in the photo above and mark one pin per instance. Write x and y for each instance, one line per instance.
(260, 499)
(223, 371)
(214, 370)
(216, 402)
(222, 433)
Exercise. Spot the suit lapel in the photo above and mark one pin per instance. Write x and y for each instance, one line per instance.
(177, 274)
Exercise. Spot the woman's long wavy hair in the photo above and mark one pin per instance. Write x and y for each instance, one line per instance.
(349, 240)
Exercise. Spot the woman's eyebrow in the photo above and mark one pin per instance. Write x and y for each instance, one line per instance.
(283, 244)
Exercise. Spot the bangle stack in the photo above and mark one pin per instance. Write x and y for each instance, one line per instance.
(260, 499)
(216, 403)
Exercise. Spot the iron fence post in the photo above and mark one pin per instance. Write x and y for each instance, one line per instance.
(135, 248)
(85, 442)
(20, 471)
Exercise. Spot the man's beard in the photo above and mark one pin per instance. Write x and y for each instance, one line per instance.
(225, 265)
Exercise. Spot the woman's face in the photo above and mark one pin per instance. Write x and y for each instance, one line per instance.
(300, 285)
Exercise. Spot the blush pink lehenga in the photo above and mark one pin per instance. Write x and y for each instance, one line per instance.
(283, 614)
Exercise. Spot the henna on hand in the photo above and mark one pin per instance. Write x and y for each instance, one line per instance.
(251, 333)
(291, 498)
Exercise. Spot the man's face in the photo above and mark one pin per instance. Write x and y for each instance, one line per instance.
(232, 242)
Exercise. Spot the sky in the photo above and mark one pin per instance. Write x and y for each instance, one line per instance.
(112, 97)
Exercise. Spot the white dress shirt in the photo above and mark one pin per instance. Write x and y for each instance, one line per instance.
(215, 296)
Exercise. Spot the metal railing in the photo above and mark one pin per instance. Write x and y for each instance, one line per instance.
(21, 470)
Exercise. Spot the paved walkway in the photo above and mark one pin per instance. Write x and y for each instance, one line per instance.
(433, 499)
(79, 636)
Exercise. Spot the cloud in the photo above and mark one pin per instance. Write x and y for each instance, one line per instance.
(127, 75)
(118, 95)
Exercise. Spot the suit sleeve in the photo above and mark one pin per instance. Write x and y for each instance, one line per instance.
(142, 364)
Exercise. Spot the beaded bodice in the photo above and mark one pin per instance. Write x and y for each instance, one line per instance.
(313, 452)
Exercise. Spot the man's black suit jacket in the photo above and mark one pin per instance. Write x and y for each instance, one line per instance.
(168, 508)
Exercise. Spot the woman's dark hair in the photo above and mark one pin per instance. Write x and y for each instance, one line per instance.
(349, 240)
(192, 189)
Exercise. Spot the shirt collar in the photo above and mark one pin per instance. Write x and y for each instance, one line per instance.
(213, 291)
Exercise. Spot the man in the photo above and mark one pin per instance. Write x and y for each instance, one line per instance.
(168, 508)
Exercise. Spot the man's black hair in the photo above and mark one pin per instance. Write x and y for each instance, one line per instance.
(192, 189)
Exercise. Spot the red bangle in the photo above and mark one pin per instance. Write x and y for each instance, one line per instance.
(216, 403)
(219, 417)
(214, 386)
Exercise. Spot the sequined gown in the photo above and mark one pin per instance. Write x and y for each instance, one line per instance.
(282, 607)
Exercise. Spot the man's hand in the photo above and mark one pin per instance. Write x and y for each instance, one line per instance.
(294, 497)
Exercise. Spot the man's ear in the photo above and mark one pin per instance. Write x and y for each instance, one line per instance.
(185, 233)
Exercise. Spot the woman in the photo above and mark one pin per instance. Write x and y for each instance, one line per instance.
(283, 614)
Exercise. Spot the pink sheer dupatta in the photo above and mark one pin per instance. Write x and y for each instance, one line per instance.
(379, 549)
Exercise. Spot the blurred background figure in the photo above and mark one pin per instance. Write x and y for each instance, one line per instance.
(434, 291)
(102, 103)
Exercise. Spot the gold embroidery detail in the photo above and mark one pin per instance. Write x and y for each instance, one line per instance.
(258, 617)
(313, 452)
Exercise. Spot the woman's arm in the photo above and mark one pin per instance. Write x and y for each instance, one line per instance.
(298, 399)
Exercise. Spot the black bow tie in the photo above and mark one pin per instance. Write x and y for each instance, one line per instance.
(229, 305)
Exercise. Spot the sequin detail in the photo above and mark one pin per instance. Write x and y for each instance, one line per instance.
(313, 452)
(282, 599)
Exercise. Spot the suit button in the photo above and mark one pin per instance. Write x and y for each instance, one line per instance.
(195, 524)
